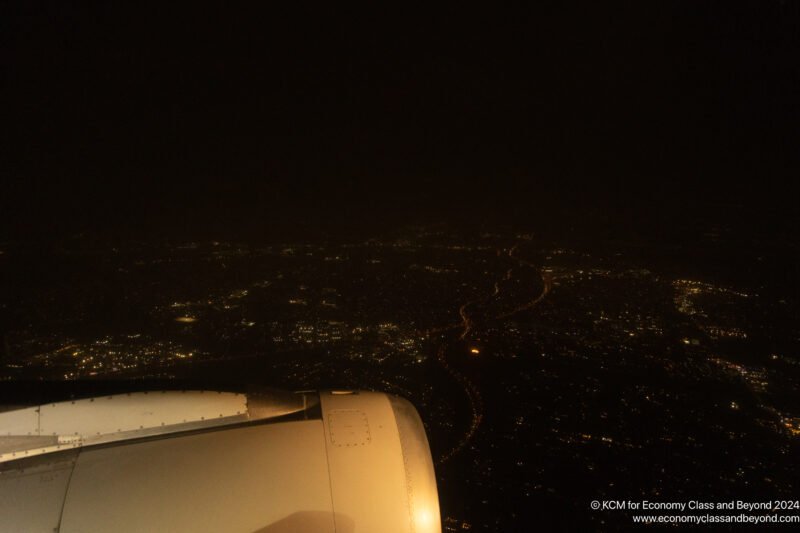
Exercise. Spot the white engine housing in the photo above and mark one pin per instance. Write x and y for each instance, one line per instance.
(335, 461)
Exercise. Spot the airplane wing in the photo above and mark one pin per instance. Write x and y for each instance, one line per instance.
(266, 462)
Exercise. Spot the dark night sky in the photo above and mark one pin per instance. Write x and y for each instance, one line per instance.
(172, 118)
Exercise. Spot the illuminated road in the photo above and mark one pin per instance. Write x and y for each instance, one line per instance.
(467, 325)
(547, 285)
(475, 402)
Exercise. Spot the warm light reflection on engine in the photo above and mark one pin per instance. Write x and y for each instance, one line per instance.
(425, 521)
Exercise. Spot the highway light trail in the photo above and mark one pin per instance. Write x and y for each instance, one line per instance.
(475, 402)
(466, 326)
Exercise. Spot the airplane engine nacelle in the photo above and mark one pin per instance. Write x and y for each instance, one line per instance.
(269, 462)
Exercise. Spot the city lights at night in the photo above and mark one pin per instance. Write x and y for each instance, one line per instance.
(563, 236)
